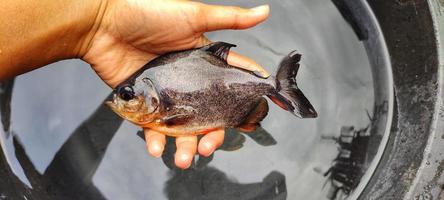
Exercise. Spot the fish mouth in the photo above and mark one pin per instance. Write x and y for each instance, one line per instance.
(134, 117)
(112, 105)
(116, 109)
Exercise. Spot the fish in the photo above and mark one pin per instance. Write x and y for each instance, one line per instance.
(196, 91)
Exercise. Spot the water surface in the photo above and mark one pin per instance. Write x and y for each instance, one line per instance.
(49, 105)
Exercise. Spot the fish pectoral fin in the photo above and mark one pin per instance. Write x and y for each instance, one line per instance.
(178, 119)
(219, 49)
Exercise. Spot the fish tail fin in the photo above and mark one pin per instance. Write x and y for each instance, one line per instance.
(288, 95)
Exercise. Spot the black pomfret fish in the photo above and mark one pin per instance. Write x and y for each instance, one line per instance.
(195, 91)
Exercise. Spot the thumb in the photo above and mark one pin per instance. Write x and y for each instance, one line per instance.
(230, 17)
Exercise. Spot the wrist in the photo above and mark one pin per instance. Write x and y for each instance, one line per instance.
(89, 25)
(44, 31)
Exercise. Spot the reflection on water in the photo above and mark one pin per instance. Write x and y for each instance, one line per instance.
(203, 182)
(65, 177)
(349, 165)
(233, 141)
(212, 184)
(66, 141)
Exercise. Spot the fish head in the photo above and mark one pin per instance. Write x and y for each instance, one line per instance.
(138, 102)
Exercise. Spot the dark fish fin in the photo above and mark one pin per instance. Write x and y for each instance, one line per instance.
(280, 101)
(259, 135)
(288, 95)
(204, 161)
(178, 119)
(247, 128)
(255, 116)
(262, 137)
(233, 140)
(219, 49)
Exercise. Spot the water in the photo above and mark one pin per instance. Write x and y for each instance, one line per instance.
(49, 105)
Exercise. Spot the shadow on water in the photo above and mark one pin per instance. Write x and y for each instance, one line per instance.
(210, 183)
(202, 182)
(69, 175)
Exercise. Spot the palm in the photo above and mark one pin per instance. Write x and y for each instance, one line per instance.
(132, 34)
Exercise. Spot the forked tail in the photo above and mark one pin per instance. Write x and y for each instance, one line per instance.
(288, 95)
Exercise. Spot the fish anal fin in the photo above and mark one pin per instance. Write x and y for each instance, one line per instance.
(233, 140)
(219, 49)
(255, 117)
(258, 113)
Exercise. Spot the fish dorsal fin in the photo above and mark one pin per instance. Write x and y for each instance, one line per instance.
(219, 49)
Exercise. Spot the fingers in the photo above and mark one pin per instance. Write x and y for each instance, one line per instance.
(238, 60)
(186, 149)
(155, 142)
(230, 17)
(186, 146)
(210, 142)
(246, 63)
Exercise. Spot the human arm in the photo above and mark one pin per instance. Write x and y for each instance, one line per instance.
(117, 37)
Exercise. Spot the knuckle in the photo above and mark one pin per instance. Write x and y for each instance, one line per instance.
(197, 18)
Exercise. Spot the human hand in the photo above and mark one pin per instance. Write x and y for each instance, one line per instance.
(130, 33)
(117, 37)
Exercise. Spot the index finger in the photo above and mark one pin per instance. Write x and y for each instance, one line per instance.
(243, 62)
(239, 61)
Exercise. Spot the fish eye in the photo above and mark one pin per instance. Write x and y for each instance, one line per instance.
(154, 101)
(126, 92)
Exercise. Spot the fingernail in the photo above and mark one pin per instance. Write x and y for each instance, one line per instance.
(262, 74)
(184, 157)
(210, 148)
(261, 9)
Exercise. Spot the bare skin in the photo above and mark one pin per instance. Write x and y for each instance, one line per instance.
(117, 37)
